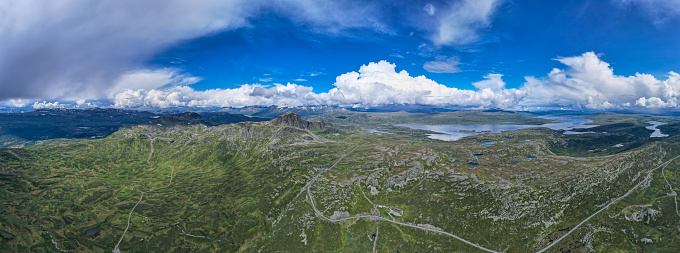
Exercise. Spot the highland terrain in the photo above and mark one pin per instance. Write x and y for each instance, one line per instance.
(346, 181)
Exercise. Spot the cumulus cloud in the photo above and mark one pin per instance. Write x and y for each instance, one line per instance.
(655, 102)
(588, 82)
(46, 105)
(449, 65)
(492, 82)
(374, 84)
(462, 23)
(246, 95)
(17, 102)
(85, 104)
(379, 83)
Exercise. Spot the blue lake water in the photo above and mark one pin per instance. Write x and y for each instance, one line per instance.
(376, 131)
(453, 132)
(657, 132)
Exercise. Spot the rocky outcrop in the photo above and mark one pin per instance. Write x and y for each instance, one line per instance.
(294, 120)
(253, 133)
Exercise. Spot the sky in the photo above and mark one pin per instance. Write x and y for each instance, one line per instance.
(518, 55)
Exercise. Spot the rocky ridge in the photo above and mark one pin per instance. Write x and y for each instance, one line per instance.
(294, 120)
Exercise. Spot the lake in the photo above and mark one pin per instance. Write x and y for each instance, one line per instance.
(456, 132)
(657, 132)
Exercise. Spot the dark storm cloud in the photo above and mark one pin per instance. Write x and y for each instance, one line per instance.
(78, 49)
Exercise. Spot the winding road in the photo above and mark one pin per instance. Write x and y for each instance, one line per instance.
(648, 177)
(172, 172)
(311, 199)
(375, 241)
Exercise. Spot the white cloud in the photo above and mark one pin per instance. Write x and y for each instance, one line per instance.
(449, 65)
(300, 80)
(84, 104)
(429, 9)
(374, 84)
(586, 82)
(45, 105)
(493, 82)
(246, 95)
(149, 79)
(655, 102)
(316, 73)
(461, 25)
(379, 83)
(591, 83)
(16, 102)
(660, 11)
(266, 80)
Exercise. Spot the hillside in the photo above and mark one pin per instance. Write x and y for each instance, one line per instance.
(249, 187)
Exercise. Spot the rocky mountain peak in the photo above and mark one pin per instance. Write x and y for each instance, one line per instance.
(294, 120)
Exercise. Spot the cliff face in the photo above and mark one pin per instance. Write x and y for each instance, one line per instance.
(294, 120)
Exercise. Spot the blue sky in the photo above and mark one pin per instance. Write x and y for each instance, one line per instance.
(601, 55)
(522, 40)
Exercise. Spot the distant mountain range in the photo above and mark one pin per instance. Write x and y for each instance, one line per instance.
(44, 124)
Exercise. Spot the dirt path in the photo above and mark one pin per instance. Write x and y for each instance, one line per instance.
(141, 197)
(362, 192)
(375, 241)
(148, 160)
(116, 250)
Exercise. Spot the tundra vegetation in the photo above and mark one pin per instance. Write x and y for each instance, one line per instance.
(241, 187)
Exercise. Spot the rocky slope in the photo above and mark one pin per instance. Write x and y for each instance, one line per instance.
(294, 120)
